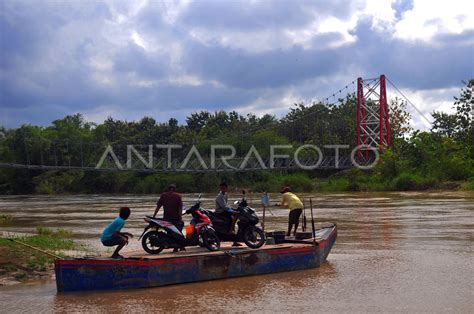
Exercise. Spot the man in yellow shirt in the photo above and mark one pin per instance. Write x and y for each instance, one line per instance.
(291, 201)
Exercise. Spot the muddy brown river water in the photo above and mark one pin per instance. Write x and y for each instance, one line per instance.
(395, 252)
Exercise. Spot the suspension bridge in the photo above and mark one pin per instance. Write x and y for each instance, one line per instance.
(372, 133)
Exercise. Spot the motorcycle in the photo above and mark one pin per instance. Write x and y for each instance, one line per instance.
(165, 234)
(247, 221)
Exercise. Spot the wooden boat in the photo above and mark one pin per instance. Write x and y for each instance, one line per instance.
(139, 270)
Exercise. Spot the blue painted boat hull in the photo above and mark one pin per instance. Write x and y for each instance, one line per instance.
(100, 274)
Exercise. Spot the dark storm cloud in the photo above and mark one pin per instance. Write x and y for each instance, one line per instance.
(252, 15)
(134, 59)
(274, 68)
(203, 96)
(26, 28)
(29, 76)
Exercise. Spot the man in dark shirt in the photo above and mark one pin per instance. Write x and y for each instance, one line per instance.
(172, 205)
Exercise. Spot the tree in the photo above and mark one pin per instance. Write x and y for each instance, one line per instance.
(444, 124)
(399, 118)
(464, 106)
(197, 120)
(460, 123)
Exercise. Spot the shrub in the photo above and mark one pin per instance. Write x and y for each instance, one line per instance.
(409, 182)
(468, 185)
(5, 219)
(44, 187)
(57, 182)
(272, 184)
(335, 185)
(456, 168)
(299, 182)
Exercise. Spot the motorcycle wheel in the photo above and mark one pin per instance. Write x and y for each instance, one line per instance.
(210, 240)
(201, 242)
(254, 237)
(147, 242)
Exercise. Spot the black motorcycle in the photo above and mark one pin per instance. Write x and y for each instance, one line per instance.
(247, 220)
(164, 234)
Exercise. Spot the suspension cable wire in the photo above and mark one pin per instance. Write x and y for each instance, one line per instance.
(325, 100)
(410, 102)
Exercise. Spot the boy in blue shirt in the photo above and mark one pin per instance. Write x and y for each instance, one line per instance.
(112, 235)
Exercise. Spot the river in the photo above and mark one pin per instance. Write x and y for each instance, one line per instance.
(395, 252)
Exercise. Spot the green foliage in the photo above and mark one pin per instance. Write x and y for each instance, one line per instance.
(299, 182)
(157, 183)
(460, 124)
(354, 180)
(57, 182)
(457, 168)
(334, 185)
(468, 185)
(5, 219)
(388, 166)
(410, 182)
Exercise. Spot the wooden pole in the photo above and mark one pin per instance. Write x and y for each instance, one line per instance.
(265, 200)
(35, 248)
(303, 226)
(312, 220)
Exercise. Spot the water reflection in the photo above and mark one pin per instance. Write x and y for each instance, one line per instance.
(230, 295)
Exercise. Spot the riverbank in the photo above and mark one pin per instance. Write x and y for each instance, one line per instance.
(19, 263)
(360, 182)
(379, 179)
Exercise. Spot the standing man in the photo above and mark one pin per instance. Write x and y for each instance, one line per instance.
(291, 201)
(172, 205)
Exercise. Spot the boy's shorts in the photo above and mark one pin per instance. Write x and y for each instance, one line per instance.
(112, 241)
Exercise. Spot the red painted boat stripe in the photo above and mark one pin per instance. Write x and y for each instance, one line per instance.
(291, 250)
(292, 254)
(144, 262)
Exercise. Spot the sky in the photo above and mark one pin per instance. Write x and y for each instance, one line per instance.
(167, 59)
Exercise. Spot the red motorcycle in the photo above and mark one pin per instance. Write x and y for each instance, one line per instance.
(165, 234)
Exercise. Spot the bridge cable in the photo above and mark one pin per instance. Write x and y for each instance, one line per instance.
(410, 102)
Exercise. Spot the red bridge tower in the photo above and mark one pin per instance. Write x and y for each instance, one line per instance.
(373, 128)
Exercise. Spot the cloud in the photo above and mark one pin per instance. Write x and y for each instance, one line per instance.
(249, 15)
(128, 59)
(427, 19)
(419, 65)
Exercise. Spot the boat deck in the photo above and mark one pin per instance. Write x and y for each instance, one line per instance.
(226, 249)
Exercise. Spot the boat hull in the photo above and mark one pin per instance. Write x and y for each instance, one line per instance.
(138, 272)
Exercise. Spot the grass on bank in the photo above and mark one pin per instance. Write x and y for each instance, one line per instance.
(468, 185)
(5, 219)
(355, 181)
(21, 263)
